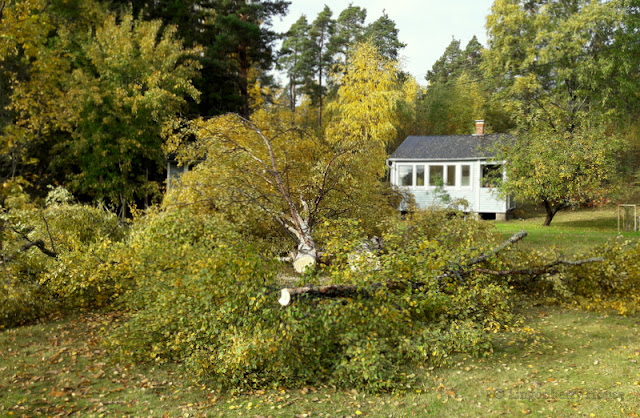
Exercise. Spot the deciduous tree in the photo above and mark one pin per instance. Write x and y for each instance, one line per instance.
(269, 165)
(236, 37)
(36, 60)
(549, 58)
(551, 63)
(561, 170)
(136, 80)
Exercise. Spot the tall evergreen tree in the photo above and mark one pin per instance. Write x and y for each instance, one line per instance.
(448, 66)
(472, 58)
(457, 94)
(383, 34)
(320, 34)
(349, 30)
(329, 42)
(295, 60)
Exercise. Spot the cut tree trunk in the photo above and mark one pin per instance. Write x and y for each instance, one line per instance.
(307, 254)
(302, 262)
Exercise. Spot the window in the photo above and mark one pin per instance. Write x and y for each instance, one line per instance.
(433, 175)
(419, 175)
(436, 175)
(491, 175)
(405, 175)
(465, 176)
(442, 175)
(451, 176)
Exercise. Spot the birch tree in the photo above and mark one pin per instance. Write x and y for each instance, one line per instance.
(269, 166)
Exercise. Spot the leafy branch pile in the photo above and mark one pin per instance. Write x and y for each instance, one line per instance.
(50, 257)
(200, 291)
(214, 308)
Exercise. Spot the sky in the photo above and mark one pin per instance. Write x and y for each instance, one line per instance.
(426, 26)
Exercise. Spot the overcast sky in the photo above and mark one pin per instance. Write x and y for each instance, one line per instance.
(426, 26)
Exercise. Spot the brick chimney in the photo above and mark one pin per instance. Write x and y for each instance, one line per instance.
(479, 128)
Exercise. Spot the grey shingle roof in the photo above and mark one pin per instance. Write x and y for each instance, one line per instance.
(447, 147)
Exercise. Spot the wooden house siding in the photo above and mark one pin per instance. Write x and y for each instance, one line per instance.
(480, 199)
(455, 167)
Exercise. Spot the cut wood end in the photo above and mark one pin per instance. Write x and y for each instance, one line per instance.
(285, 297)
(302, 263)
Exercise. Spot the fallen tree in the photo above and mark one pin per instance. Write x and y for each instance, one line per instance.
(328, 291)
(459, 272)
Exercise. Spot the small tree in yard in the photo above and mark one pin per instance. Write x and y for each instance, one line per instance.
(552, 67)
(560, 169)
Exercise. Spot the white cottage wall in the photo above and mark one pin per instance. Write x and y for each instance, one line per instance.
(480, 199)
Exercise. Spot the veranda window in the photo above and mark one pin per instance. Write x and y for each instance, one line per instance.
(419, 175)
(405, 175)
(436, 175)
(465, 175)
(491, 175)
(451, 176)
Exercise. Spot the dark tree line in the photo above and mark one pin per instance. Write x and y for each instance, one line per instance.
(93, 114)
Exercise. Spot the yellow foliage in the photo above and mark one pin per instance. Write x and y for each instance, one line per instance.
(364, 112)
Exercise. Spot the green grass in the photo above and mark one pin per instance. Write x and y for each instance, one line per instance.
(570, 363)
(571, 232)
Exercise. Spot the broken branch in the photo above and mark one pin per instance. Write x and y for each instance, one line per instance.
(287, 295)
(546, 269)
(328, 291)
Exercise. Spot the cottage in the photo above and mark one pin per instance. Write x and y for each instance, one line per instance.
(446, 170)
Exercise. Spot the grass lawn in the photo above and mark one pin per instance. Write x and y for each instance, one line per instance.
(571, 232)
(571, 363)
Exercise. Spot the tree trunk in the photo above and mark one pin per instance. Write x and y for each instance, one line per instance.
(244, 79)
(287, 295)
(334, 291)
(292, 93)
(320, 99)
(551, 212)
(329, 291)
(307, 254)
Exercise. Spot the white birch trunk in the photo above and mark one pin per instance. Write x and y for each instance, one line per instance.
(307, 253)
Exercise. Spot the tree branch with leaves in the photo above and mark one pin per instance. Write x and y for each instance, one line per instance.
(294, 175)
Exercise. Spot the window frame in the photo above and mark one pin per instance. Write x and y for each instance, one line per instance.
(400, 177)
(470, 185)
(498, 166)
(426, 174)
